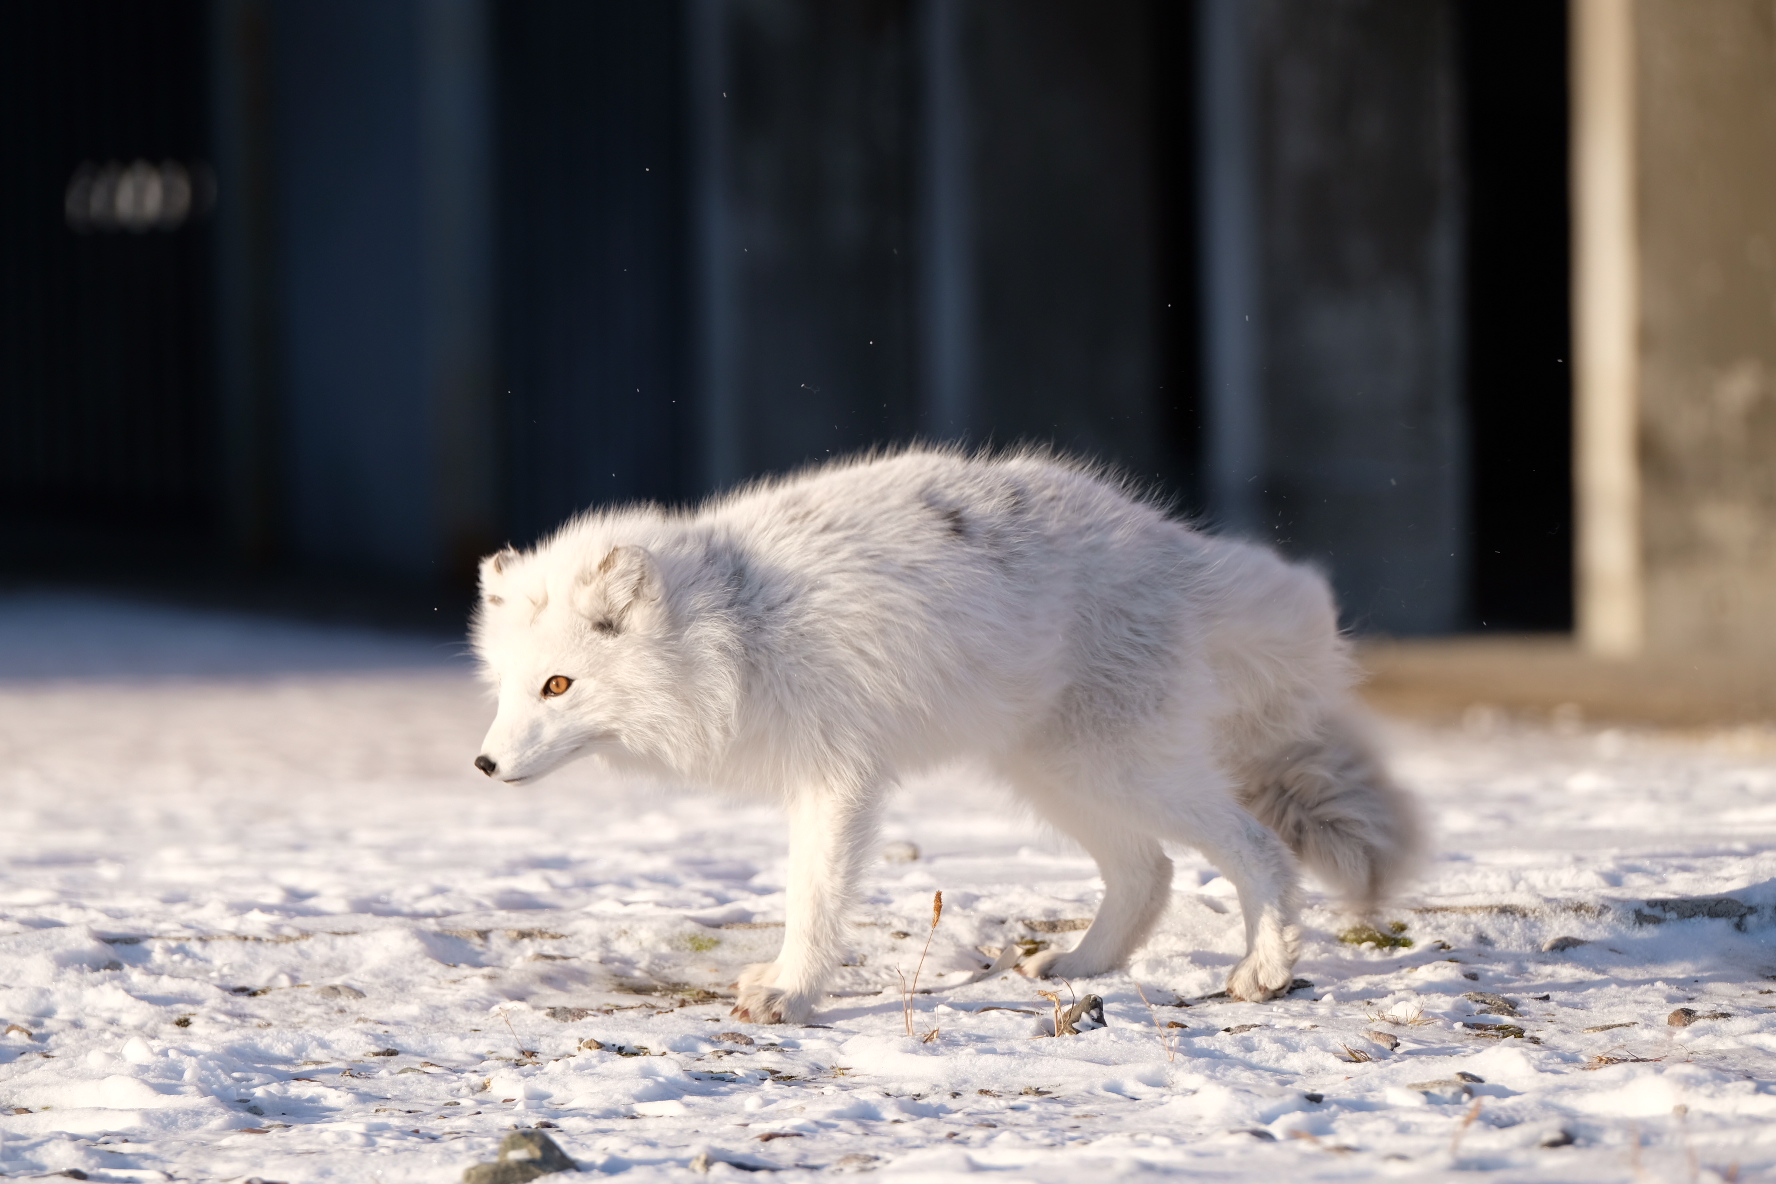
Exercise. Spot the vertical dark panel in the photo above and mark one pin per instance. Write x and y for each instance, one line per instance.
(1068, 230)
(1518, 371)
(384, 233)
(245, 308)
(1066, 225)
(1177, 315)
(590, 256)
(356, 430)
(104, 378)
(1358, 149)
(820, 117)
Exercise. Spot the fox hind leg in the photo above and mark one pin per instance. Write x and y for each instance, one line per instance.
(1137, 875)
(1121, 828)
(1137, 885)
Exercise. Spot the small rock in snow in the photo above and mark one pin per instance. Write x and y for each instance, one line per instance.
(1683, 1017)
(856, 1160)
(1387, 1040)
(1446, 1090)
(1492, 1004)
(338, 991)
(523, 1156)
(1555, 945)
(1083, 1016)
(901, 852)
(734, 1038)
(1559, 1138)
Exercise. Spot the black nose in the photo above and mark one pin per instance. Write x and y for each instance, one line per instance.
(486, 764)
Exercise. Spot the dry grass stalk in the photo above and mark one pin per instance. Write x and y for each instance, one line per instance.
(906, 992)
(1167, 1042)
(1473, 1113)
(1691, 1160)
(1354, 1056)
(1416, 1019)
(527, 1053)
(929, 1037)
(1054, 997)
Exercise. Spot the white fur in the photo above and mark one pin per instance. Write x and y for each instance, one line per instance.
(817, 638)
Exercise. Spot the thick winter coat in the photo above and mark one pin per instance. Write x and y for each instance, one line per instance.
(817, 638)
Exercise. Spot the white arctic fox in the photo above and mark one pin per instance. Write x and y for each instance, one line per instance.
(817, 638)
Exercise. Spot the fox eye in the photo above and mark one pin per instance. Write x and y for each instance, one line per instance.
(557, 686)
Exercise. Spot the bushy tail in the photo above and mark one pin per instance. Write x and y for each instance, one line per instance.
(1333, 803)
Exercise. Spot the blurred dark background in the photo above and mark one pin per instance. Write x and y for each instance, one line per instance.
(316, 301)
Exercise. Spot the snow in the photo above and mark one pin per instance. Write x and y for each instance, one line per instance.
(260, 918)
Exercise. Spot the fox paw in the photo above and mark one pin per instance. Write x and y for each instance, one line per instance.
(1258, 979)
(1060, 964)
(761, 1001)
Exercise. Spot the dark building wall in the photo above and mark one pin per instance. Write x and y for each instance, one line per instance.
(934, 219)
(808, 119)
(356, 428)
(1333, 297)
(486, 265)
(383, 283)
(1518, 315)
(1068, 238)
(104, 377)
(592, 291)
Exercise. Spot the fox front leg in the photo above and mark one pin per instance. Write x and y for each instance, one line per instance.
(831, 833)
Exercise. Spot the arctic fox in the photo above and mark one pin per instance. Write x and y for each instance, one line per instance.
(817, 638)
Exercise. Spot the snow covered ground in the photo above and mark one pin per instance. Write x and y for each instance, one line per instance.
(260, 918)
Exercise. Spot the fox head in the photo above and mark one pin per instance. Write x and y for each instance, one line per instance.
(589, 659)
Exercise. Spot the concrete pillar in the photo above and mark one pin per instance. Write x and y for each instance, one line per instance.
(1675, 316)
(1332, 295)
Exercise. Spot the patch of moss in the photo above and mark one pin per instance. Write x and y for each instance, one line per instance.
(701, 943)
(1393, 939)
(1499, 1031)
(693, 995)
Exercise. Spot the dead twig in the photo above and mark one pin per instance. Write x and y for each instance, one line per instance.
(1169, 1043)
(527, 1053)
(1473, 1113)
(906, 992)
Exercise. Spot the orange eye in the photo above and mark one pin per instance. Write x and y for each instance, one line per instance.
(557, 686)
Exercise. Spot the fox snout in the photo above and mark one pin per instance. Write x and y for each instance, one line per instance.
(487, 764)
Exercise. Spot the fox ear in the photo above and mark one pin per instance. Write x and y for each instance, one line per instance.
(492, 569)
(625, 584)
